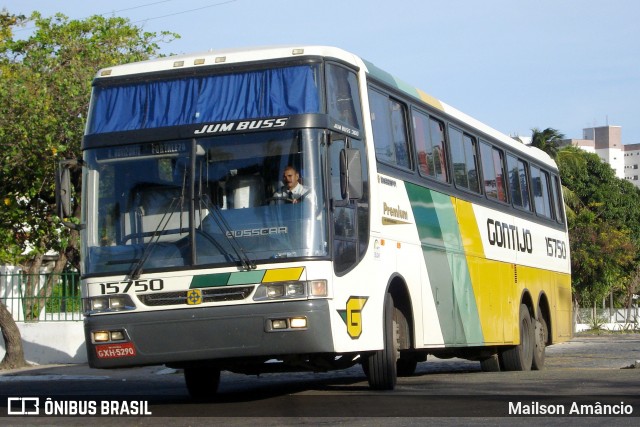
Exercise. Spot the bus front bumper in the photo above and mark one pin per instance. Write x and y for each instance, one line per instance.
(210, 333)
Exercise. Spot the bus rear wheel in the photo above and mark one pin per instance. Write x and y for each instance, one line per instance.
(520, 357)
(202, 382)
(540, 342)
(406, 366)
(380, 367)
(490, 364)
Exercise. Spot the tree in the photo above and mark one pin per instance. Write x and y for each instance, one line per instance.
(604, 230)
(631, 288)
(547, 140)
(602, 255)
(44, 98)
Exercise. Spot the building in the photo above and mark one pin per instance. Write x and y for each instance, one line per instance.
(588, 145)
(608, 146)
(606, 142)
(632, 163)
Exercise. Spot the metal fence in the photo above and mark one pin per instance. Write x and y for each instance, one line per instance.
(610, 318)
(42, 297)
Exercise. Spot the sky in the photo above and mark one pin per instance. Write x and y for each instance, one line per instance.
(512, 64)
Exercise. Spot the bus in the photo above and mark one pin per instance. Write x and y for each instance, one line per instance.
(416, 229)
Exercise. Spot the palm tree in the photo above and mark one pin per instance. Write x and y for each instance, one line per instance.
(547, 140)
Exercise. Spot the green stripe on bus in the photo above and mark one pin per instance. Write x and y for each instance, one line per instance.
(227, 279)
(246, 277)
(392, 81)
(209, 280)
(447, 267)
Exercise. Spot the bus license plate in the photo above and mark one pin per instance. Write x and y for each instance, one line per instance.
(113, 351)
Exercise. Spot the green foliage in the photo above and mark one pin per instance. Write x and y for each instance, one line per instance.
(604, 225)
(547, 140)
(64, 300)
(597, 322)
(44, 98)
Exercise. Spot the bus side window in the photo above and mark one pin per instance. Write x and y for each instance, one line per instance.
(557, 198)
(426, 166)
(388, 118)
(518, 182)
(465, 160)
(343, 100)
(498, 162)
(439, 150)
(523, 172)
(471, 155)
(540, 184)
(514, 181)
(429, 139)
(493, 171)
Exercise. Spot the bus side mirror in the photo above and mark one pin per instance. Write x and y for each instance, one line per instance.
(63, 191)
(350, 174)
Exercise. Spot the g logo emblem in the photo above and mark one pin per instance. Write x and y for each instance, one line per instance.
(352, 316)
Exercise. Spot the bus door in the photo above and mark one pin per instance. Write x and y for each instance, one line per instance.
(348, 202)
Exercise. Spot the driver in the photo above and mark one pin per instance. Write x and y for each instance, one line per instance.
(292, 191)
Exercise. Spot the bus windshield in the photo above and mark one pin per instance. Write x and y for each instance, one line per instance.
(207, 202)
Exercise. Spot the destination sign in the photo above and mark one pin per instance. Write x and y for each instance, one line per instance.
(144, 150)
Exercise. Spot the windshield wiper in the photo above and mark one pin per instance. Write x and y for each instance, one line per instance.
(136, 271)
(223, 225)
(160, 228)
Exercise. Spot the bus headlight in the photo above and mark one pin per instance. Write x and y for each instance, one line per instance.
(118, 302)
(98, 304)
(108, 336)
(318, 288)
(298, 322)
(287, 324)
(104, 303)
(291, 290)
(295, 290)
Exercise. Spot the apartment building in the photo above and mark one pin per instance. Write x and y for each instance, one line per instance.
(606, 142)
(632, 163)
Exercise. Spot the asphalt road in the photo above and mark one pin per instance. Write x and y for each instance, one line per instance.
(591, 372)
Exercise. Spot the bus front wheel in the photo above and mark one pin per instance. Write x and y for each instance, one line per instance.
(202, 382)
(380, 367)
(520, 357)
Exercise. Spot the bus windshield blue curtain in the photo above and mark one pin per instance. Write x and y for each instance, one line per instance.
(204, 99)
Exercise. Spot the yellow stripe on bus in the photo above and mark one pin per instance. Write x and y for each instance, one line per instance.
(283, 275)
(469, 232)
(489, 279)
(430, 100)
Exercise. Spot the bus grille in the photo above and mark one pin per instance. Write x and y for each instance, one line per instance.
(208, 295)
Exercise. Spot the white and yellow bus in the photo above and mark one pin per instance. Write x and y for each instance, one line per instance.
(419, 230)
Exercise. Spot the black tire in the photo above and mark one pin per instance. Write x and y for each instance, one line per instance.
(408, 361)
(406, 366)
(520, 357)
(540, 342)
(202, 382)
(381, 368)
(490, 364)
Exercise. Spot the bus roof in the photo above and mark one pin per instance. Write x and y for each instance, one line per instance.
(223, 57)
(256, 54)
